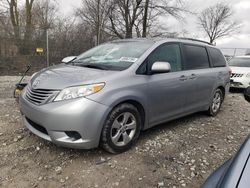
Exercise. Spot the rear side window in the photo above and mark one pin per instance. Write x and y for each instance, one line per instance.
(217, 58)
(196, 57)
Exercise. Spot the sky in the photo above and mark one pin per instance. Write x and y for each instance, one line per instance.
(241, 9)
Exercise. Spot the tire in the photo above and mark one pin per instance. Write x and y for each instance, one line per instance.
(247, 94)
(216, 102)
(121, 129)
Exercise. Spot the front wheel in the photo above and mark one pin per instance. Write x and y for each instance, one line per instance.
(216, 103)
(121, 129)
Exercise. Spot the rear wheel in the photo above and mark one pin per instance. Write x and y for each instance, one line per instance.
(121, 129)
(216, 103)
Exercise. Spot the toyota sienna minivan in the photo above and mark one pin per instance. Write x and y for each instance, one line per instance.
(109, 94)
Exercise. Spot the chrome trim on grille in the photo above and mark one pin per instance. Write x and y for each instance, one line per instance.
(39, 96)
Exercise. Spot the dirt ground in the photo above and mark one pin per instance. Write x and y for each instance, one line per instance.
(180, 153)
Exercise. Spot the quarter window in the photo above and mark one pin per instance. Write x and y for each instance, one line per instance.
(195, 57)
(217, 58)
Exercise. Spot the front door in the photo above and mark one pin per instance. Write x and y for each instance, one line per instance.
(166, 91)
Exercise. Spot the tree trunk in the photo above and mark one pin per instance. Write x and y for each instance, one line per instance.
(14, 17)
(145, 19)
(28, 28)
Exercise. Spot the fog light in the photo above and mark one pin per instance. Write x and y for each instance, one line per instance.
(73, 135)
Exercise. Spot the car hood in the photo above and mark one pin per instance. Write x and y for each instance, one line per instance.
(240, 70)
(62, 76)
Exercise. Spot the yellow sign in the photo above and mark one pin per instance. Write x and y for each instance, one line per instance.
(39, 50)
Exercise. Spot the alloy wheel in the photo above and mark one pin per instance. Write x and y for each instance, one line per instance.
(123, 129)
(216, 102)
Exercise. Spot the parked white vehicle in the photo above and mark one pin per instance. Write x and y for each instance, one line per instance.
(240, 77)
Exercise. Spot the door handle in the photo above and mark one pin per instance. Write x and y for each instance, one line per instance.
(193, 76)
(183, 78)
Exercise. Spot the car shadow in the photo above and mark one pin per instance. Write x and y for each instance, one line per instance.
(236, 90)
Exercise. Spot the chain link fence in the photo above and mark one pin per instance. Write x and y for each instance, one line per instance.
(40, 49)
(19, 51)
(231, 52)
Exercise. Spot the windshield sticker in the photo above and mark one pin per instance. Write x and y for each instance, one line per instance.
(128, 59)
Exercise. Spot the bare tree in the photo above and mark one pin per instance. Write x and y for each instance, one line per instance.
(95, 13)
(155, 9)
(217, 21)
(123, 17)
(45, 13)
(141, 16)
(15, 16)
(15, 19)
(128, 18)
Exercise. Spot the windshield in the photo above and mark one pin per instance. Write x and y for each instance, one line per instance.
(239, 62)
(113, 56)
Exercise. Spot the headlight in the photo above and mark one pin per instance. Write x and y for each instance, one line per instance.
(79, 91)
(248, 75)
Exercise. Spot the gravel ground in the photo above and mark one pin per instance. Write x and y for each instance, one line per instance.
(180, 153)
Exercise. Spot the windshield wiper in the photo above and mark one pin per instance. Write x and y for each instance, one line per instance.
(92, 65)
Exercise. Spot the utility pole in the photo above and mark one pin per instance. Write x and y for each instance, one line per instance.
(47, 46)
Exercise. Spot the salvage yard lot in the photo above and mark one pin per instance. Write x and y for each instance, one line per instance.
(181, 153)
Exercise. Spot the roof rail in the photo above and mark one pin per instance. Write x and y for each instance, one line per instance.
(183, 38)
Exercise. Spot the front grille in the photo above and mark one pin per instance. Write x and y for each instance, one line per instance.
(39, 96)
(37, 126)
(235, 75)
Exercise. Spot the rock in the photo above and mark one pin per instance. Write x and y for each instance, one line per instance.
(183, 185)
(192, 161)
(103, 160)
(182, 181)
(38, 148)
(1, 134)
(117, 184)
(192, 168)
(58, 170)
(192, 174)
(230, 137)
(160, 184)
(139, 179)
(40, 178)
(62, 180)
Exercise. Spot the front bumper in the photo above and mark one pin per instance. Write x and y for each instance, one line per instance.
(54, 120)
(239, 83)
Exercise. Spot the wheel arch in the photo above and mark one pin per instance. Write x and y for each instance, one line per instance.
(222, 88)
(139, 105)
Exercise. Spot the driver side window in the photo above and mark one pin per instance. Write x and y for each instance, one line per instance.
(166, 53)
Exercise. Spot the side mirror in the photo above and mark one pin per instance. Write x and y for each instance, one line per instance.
(247, 94)
(160, 67)
(68, 59)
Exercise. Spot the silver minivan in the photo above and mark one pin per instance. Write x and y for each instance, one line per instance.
(109, 94)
